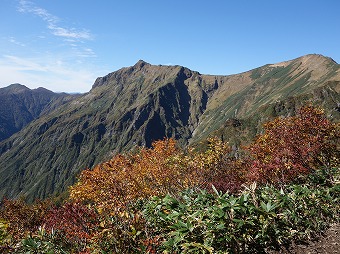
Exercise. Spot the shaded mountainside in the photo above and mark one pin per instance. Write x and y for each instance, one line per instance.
(130, 107)
(139, 104)
(21, 105)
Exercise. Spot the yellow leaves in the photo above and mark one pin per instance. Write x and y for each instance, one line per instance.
(160, 170)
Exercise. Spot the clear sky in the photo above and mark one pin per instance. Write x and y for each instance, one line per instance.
(64, 45)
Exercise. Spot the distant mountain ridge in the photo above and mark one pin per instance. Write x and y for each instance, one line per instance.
(138, 104)
(21, 105)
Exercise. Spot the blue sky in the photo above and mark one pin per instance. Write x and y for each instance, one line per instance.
(64, 45)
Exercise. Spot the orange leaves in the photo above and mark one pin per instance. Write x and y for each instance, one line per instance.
(210, 166)
(289, 147)
(24, 218)
(157, 171)
(125, 178)
(105, 209)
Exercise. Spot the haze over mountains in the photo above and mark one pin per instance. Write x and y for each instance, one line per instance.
(47, 138)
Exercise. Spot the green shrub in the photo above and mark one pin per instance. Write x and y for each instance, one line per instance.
(258, 219)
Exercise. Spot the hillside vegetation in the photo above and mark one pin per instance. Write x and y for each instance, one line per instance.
(21, 105)
(284, 187)
(137, 105)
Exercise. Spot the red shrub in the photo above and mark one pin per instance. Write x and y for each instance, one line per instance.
(72, 223)
(293, 146)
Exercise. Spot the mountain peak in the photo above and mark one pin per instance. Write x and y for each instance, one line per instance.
(310, 61)
(140, 64)
(315, 58)
(136, 105)
(16, 87)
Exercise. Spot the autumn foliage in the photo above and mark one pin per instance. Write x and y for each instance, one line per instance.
(159, 170)
(289, 147)
(293, 146)
(24, 218)
(72, 223)
(104, 211)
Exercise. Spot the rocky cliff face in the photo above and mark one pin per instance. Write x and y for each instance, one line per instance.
(139, 104)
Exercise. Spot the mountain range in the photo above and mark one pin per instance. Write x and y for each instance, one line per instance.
(46, 138)
(21, 105)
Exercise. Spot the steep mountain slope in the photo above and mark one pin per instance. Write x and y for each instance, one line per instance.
(20, 105)
(132, 106)
(275, 86)
(142, 103)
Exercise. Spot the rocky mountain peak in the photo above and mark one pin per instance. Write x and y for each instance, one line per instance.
(15, 88)
(139, 104)
(313, 59)
(140, 64)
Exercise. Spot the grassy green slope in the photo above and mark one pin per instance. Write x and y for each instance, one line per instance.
(130, 107)
(139, 104)
(300, 81)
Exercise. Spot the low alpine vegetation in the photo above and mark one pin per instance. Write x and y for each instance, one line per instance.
(282, 188)
(255, 220)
